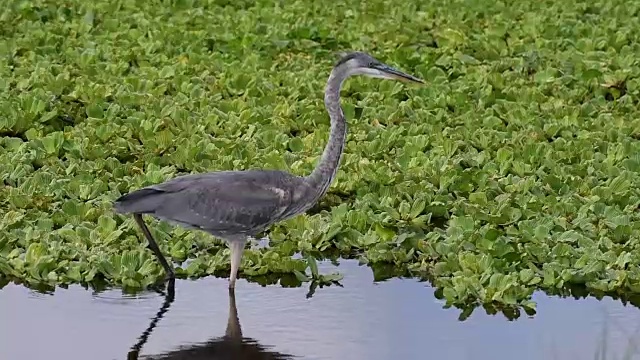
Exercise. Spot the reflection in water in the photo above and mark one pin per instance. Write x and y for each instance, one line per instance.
(365, 319)
(230, 346)
(168, 299)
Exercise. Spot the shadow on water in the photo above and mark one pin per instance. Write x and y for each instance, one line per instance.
(230, 346)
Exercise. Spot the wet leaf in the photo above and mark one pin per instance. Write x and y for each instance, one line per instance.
(301, 276)
(313, 266)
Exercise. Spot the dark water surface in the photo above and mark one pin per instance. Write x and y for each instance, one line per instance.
(395, 319)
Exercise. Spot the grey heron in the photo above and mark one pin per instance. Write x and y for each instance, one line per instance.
(235, 206)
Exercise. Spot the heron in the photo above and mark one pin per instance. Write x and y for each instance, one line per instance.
(237, 205)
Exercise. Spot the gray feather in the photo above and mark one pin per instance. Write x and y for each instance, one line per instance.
(140, 201)
(222, 203)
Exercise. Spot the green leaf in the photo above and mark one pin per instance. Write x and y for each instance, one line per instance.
(383, 232)
(591, 74)
(619, 184)
(300, 276)
(95, 111)
(48, 116)
(332, 277)
(464, 223)
(526, 275)
(108, 269)
(313, 266)
(167, 72)
(106, 224)
(435, 73)
(417, 207)
(296, 145)
(530, 305)
(35, 251)
(479, 198)
(129, 260)
(450, 295)
(53, 142)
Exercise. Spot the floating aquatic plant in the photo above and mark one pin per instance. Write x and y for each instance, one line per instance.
(516, 169)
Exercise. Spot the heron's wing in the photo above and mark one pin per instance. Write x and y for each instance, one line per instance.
(230, 202)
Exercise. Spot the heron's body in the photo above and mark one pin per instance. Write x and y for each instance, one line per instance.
(226, 204)
(237, 205)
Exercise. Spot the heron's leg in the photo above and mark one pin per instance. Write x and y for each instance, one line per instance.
(237, 248)
(234, 331)
(154, 246)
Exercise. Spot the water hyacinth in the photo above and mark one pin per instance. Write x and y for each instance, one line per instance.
(515, 169)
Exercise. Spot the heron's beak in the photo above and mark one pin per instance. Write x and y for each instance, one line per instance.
(392, 73)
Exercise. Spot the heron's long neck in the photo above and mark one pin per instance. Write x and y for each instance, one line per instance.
(326, 169)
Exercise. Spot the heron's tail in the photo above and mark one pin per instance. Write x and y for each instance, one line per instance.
(145, 200)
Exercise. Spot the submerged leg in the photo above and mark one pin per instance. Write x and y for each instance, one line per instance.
(237, 248)
(154, 246)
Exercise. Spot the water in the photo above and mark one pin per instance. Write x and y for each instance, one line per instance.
(395, 319)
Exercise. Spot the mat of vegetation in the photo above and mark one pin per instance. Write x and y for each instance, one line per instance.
(517, 168)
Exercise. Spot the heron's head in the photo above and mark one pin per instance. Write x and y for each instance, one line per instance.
(360, 63)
